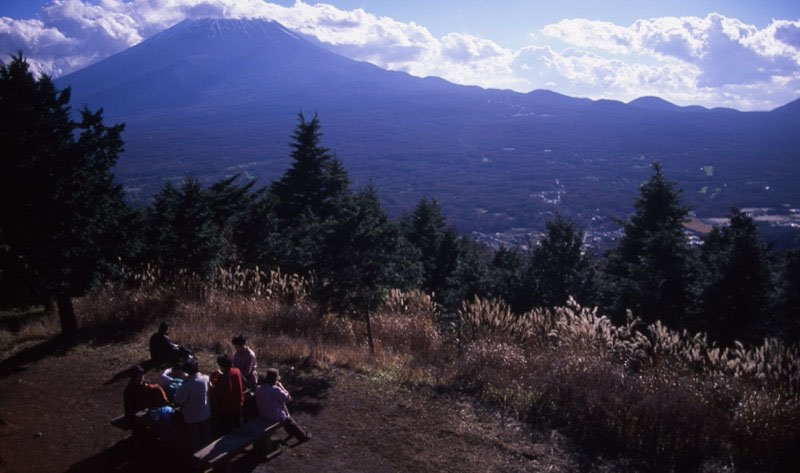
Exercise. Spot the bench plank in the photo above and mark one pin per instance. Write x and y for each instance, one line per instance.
(124, 423)
(236, 441)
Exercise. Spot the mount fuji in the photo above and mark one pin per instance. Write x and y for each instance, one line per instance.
(212, 97)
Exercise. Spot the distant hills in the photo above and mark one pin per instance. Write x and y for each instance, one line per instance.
(658, 104)
(212, 98)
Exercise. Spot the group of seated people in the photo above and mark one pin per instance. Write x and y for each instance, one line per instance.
(210, 406)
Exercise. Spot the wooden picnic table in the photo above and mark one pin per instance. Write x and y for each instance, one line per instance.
(218, 453)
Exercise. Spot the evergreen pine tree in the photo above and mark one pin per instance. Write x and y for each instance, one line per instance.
(363, 259)
(228, 201)
(308, 198)
(650, 271)
(425, 229)
(462, 270)
(736, 283)
(506, 278)
(787, 295)
(315, 181)
(181, 232)
(256, 234)
(559, 268)
(61, 212)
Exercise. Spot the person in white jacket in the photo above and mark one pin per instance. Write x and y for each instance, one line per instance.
(192, 396)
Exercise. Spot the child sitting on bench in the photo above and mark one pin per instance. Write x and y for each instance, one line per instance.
(271, 398)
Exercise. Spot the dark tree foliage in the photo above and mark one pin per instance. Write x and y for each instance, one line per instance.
(308, 198)
(365, 257)
(182, 235)
(256, 233)
(228, 201)
(425, 229)
(559, 268)
(464, 272)
(316, 180)
(787, 295)
(62, 219)
(443, 267)
(507, 278)
(736, 282)
(453, 268)
(651, 270)
(194, 230)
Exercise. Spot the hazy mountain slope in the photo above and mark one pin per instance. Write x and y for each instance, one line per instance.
(214, 97)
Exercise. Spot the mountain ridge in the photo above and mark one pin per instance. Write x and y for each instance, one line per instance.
(657, 103)
(260, 32)
(216, 97)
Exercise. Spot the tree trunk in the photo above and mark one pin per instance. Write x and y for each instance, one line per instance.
(48, 304)
(66, 313)
(369, 333)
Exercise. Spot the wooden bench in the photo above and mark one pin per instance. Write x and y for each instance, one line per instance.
(218, 453)
(125, 423)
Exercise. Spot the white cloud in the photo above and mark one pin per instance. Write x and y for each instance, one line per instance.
(582, 73)
(591, 34)
(725, 51)
(710, 61)
(42, 45)
(357, 34)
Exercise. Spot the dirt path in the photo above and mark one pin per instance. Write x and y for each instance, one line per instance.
(54, 416)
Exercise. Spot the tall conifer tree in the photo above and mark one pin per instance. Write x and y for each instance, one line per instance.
(651, 270)
(316, 179)
(61, 214)
(425, 229)
(736, 281)
(559, 268)
(308, 197)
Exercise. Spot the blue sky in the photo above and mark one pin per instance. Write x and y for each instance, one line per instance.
(509, 22)
(734, 53)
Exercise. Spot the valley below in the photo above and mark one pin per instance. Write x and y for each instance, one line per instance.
(216, 98)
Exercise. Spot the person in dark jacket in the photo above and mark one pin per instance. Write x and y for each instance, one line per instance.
(139, 395)
(163, 351)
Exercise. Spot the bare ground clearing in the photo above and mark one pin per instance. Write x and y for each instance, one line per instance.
(54, 413)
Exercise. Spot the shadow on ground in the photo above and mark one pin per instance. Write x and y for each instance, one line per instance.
(60, 345)
(56, 346)
(130, 456)
(308, 391)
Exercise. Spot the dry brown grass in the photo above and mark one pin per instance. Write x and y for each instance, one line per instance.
(36, 330)
(646, 391)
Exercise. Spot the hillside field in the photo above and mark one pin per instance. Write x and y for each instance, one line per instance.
(552, 390)
(54, 413)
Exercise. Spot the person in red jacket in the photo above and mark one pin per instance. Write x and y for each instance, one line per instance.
(226, 393)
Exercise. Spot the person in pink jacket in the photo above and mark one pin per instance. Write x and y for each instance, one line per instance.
(271, 398)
